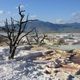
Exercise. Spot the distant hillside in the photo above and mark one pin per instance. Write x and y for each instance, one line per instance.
(50, 27)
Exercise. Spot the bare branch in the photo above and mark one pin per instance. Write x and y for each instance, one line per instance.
(14, 33)
(25, 35)
(43, 38)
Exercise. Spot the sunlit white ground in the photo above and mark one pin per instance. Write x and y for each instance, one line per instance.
(23, 67)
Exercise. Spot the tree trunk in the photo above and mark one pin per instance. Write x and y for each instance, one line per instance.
(12, 52)
(28, 41)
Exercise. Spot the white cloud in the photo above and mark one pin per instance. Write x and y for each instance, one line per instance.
(58, 21)
(8, 12)
(75, 13)
(33, 16)
(1, 11)
(75, 17)
(21, 6)
(1, 22)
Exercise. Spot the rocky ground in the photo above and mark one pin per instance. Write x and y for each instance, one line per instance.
(40, 63)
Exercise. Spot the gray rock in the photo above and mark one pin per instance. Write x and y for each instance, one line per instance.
(78, 72)
(66, 61)
(70, 77)
(57, 63)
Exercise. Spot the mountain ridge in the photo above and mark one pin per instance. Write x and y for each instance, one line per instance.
(43, 26)
(48, 27)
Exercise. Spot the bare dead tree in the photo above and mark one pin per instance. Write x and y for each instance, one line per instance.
(28, 40)
(39, 40)
(16, 32)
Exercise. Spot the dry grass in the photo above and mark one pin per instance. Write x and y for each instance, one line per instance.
(3, 41)
(39, 48)
(72, 68)
(77, 51)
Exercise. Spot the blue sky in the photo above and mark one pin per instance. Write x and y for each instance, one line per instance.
(56, 11)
